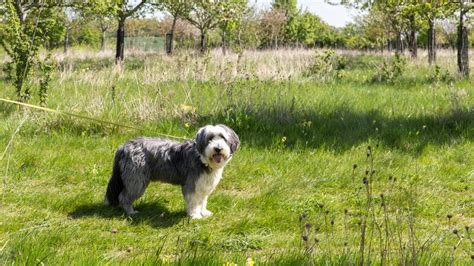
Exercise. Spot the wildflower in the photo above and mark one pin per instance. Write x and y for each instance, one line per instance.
(186, 125)
(250, 262)
(166, 259)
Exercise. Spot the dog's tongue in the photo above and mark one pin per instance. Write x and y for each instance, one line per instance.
(217, 158)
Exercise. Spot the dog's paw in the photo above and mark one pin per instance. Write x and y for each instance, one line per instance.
(130, 211)
(196, 216)
(206, 213)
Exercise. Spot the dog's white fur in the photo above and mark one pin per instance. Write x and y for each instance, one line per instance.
(196, 203)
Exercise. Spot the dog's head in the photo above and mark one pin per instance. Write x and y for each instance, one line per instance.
(216, 145)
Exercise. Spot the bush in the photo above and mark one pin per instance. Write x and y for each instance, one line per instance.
(438, 75)
(391, 70)
(327, 65)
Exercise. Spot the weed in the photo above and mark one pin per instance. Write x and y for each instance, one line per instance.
(390, 71)
(326, 66)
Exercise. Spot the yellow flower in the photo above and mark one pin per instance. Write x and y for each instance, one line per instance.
(250, 262)
(166, 259)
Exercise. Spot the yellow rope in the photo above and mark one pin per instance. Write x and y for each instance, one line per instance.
(83, 117)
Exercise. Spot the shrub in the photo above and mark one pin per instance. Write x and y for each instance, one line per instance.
(390, 70)
(327, 65)
(438, 75)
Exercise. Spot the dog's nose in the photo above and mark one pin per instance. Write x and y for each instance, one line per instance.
(218, 149)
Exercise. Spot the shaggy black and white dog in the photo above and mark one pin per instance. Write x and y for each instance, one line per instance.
(195, 165)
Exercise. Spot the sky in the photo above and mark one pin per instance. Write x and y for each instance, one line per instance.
(334, 15)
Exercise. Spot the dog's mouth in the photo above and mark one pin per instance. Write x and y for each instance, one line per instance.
(217, 158)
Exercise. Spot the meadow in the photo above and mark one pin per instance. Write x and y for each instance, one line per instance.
(341, 162)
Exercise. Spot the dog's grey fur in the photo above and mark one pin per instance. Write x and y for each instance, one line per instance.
(187, 164)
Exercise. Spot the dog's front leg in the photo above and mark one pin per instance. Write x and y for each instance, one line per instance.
(194, 205)
(204, 211)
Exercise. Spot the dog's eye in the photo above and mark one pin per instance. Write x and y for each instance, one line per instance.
(209, 138)
(222, 136)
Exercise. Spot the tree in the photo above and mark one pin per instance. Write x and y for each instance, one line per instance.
(233, 12)
(248, 29)
(430, 11)
(289, 6)
(206, 15)
(120, 10)
(71, 21)
(124, 10)
(411, 13)
(272, 24)
(393, 13)
(27, 27)
(178, 9)
(105, 23)
(462, 38)
(185, 34)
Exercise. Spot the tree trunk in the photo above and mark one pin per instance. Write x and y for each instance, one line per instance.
(239, 40)
(389, 42)
(431, 42)
(414, 48)
(102, 40)
(203, 41)
(66, 41)
(412, 37)
(399, 44)
(119, 51)
(462, 43)
(170, 37)
(224, 44)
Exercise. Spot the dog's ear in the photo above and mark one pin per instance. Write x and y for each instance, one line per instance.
(201, 140)
(233, 140)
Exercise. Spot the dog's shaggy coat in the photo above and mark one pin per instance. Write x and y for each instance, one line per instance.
(195, 165)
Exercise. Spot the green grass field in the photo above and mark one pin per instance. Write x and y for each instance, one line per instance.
(304, 188)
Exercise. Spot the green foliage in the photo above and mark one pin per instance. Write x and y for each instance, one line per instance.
(391, 70)
(88, 34)
(21, 38)
(309, 30)
(326, 66)
(439, 75)
(46, 67)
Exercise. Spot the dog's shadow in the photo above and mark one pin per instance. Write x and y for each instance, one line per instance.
(154, 214)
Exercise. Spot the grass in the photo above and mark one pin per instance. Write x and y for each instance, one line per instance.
(301, 140)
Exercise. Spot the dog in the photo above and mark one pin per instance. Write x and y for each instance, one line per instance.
(196, 165)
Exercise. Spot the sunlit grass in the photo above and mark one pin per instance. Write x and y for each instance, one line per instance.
(300, 141)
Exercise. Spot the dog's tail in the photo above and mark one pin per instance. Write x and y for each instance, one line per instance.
(115, 185)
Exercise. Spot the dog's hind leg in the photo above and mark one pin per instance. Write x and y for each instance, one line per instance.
(131, 192)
